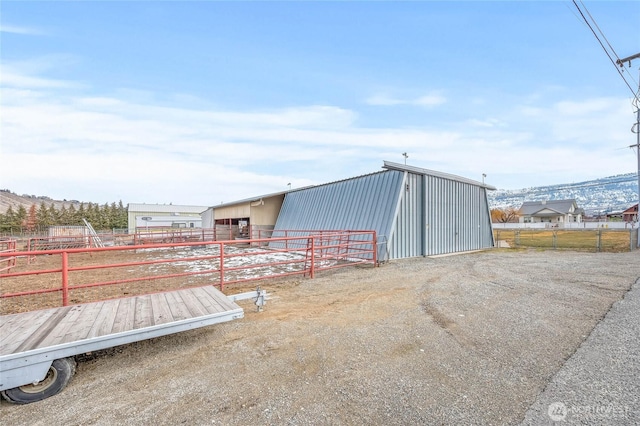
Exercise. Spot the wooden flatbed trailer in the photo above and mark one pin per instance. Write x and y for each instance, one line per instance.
(37, 348)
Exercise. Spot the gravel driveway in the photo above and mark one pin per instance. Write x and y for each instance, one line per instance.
(465, 339)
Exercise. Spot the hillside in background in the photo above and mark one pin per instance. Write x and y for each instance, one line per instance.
(609, 194)
(8, 198)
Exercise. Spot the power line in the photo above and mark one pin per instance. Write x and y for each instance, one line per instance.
(614, 62)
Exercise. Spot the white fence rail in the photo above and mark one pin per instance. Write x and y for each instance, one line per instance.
(568, 225)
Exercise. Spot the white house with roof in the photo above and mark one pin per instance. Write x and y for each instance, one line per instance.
(552, 211)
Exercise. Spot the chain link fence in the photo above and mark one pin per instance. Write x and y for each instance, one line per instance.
(593, 240)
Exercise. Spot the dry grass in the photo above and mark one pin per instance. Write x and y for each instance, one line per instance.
(568, 239)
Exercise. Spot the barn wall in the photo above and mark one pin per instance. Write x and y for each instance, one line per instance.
(266, 214)
(362, 203)
(456, 217)
(415, 212)
(406, 237)
(236, 211)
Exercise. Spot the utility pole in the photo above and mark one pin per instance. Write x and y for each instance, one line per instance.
(635, 129)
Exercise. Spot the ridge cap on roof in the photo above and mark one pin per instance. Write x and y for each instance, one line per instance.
(389, 165)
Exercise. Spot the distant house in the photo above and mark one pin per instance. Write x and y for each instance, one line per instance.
(556, 212)
(630, 214)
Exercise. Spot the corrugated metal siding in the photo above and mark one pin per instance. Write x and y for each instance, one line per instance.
(362, 203)
(457, 217)
(164, 208)
(414, 214)
(406, 238)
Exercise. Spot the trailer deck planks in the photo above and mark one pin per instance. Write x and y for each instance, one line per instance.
(31, 341)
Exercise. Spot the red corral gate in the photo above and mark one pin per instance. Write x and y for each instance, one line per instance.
(68, 276)
(8, 259)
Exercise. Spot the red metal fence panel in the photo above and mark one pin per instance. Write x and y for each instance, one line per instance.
(67, 276)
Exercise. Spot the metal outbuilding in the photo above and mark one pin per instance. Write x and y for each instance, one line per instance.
(142, 216)
(236, 218)
(415, 211)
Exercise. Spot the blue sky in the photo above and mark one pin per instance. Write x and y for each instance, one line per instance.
(205, 102)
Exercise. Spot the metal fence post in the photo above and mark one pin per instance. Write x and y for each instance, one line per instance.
(313, 257)
(221, 266)
(598, 240)
(555, 239)
(65, 278)
(374, 245)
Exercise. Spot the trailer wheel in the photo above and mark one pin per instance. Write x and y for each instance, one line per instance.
(57, 377)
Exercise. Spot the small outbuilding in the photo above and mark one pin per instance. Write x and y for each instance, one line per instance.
(143, 216)
(414, 211)
(239, 219)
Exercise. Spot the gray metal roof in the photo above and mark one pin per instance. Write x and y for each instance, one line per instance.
(418, 170)
(560, 206)
(164, 208)
(362, 203)
(257, 197)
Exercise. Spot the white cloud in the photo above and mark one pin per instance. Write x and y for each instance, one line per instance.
(11, 79)
(26, 74)
(103, 148)
(383, 100)
(15, 29)
(429, 100)
(487, 122)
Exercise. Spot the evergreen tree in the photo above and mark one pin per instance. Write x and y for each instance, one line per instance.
(105, 217)
(53, 215)
(81, 214)
(8, 222)
(21, 217)
(72, 213)
(32, 219)
(122, 216)
(44, 220)
(63, 216)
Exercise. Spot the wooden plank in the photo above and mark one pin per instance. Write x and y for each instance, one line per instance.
(7, 322)
(56, 335)
(193, 303)
(104, 319)
(143, 312)
(219, 297)
(178, 307)
(161, 310)
(43, 331)
(85, 322)
(125, 315)
(211, 304)
(21, 328)
(31, 330)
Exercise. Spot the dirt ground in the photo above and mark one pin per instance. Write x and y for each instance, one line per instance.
(465, 339)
